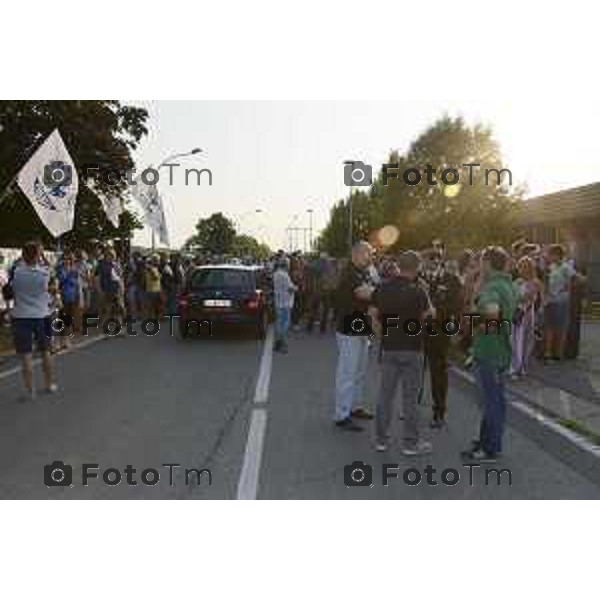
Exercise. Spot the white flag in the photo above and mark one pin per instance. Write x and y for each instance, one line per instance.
(151, 203)
(50, 181)
(113, 207)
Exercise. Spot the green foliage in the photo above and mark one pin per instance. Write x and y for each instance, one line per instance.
(97, 133)
(478, 214)
(246, 245)
(214, 234)
(217, 235)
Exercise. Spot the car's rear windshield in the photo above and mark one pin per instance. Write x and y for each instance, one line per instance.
(221, 278)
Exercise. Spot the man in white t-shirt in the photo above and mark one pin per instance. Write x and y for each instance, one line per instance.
(284, 291)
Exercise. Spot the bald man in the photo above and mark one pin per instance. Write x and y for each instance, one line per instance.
(353, 295)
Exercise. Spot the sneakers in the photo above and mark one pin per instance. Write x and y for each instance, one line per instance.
(51, 389)
(380, 446)
(362, 413)
(280, 346)
(348, 424)
(479, 456)
(420, 448)
(437, 423)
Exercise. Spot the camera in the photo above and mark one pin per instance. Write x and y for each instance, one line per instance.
(357, 324)
(58, 474)
(58, 174)
(357, 173)
(358, 474)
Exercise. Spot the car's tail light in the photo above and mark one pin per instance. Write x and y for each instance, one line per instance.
(183, 300)
(253, 303)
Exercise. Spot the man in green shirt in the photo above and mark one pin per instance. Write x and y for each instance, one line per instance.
(491, 349)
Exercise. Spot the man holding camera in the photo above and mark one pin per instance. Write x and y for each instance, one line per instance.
(353, 294)
(397, 305)
(445, 292)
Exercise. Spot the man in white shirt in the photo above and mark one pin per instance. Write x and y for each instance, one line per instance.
(283, 290)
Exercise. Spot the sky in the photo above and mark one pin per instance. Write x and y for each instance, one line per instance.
(273, 161)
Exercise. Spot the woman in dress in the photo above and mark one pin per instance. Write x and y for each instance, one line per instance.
(529, 290)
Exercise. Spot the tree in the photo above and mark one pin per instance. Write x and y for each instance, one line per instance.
(217, 235)
(98, 133)
(214, 234)
(468, 214)
(246, 245)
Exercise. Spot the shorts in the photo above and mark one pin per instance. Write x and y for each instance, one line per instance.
(72, 312)
(25, 331)
(556, 316)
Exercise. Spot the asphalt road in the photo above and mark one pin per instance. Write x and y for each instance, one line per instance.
(260, 422)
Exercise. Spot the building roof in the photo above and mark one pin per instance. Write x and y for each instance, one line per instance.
(578, 203)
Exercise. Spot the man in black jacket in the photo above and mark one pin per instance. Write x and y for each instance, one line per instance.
(353, 294)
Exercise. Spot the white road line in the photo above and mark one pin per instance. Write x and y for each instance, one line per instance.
(250, 473)
(545, 421)
(37, 361)
(574, 437)
(264, 375)
(248, 483)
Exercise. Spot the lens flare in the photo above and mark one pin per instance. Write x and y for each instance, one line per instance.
(388, 235)
(451, 191)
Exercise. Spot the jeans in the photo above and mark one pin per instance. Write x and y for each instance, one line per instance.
(493, 406)
(351, 374)
(171, 299)
(319, 307)
(399, 366)
(282, 323)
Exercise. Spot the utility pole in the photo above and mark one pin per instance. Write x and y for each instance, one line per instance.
(350, 216)
(295, 236)
(350, 221)
(310, 229)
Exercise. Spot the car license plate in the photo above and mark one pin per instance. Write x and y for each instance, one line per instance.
(217, 303)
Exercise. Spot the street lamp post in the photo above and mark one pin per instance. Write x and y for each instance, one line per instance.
(310, 229)
(164, 163)
(238, 219)
(350, 216)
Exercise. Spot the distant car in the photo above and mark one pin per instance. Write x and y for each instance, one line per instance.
(225, 295)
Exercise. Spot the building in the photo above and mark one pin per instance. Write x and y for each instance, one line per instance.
(570, 217)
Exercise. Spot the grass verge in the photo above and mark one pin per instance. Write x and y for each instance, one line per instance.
(582, 429)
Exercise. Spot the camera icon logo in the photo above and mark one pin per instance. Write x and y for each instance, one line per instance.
(58, 174)
(58, 326)
(358, 474)
(57, 474)
(358, 324)
(356, 173)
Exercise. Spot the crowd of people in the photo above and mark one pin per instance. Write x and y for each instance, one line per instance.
(44, 300)
(531, 295)
(499, 308)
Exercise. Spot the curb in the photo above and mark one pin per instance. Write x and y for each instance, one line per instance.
(569, 447)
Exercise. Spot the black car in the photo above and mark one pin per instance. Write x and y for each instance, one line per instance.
(216, 295)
